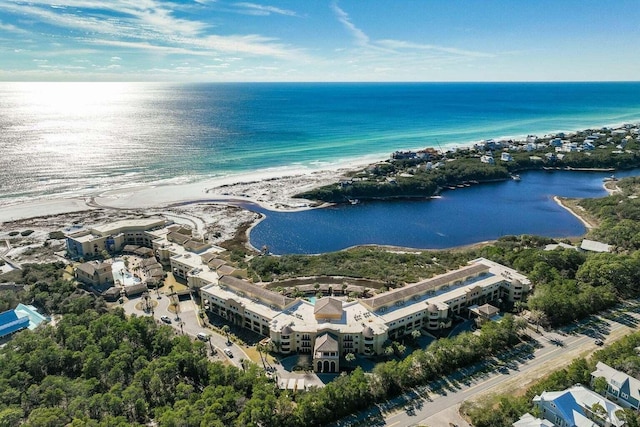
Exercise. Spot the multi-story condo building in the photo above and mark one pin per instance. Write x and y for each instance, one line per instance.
(112, 237)
(330, 325)
(325, 328)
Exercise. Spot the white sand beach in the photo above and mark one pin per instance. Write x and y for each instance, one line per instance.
(272, 189)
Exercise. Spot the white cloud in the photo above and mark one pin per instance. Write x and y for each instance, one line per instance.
(11, 28)
(258, 9)
(145, 25)
(398, 44)
(359, 35)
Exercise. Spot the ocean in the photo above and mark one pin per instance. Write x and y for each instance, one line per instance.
(68, 139)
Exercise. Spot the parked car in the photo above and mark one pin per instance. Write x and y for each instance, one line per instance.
(202, 336)
(228, 352)
(599, 342)
(166, 319)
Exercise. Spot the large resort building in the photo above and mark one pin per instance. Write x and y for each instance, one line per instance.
(331, 327)
(328, 327)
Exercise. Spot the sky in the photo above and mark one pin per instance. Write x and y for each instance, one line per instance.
(319, 40)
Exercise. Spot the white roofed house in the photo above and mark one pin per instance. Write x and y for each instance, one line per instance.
(594, 246)
(487, 158)
(528, 420)
(506, 157)
(621, 388)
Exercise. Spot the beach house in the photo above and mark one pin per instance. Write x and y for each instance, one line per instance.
(621, 388)
(578, 407)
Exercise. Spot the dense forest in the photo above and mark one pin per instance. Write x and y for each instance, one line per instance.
(97, 367)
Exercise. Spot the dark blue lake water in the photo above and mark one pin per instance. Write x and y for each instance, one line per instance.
(462, 216)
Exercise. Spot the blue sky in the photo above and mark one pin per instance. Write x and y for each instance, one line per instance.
(316, 40)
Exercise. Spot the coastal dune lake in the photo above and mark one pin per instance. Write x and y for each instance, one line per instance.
(460, 217)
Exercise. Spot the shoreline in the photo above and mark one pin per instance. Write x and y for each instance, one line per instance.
(271, 190)
(586, 223)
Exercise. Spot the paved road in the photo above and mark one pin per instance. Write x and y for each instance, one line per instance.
(436, 405)
(187, 324)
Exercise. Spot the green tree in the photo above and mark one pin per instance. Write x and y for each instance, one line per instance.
(225, 330)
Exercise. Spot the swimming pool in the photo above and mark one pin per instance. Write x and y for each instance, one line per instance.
(122, 276)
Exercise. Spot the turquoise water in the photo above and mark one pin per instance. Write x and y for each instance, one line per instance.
(83, 138)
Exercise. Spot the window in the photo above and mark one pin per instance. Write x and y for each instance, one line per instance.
(624, 395)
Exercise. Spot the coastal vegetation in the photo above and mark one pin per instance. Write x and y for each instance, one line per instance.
(100, 368)
(426, 173)
(392, 267)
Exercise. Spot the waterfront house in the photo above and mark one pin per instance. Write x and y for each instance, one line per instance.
(487, 158)
(593, 246)
(578, 407)
(621, 388)
(506, 157)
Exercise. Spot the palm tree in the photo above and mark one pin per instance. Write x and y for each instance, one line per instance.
(538, 317)
(176, 307)
(350, 357)
(261, 348)
(415, 334)
(388, 351)
(226, 329)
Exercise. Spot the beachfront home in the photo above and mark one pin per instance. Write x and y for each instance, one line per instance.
(506, 157)
(578, 407)
(621, 388)
(487, 158)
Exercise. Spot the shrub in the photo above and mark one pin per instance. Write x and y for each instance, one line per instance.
(56, 235)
